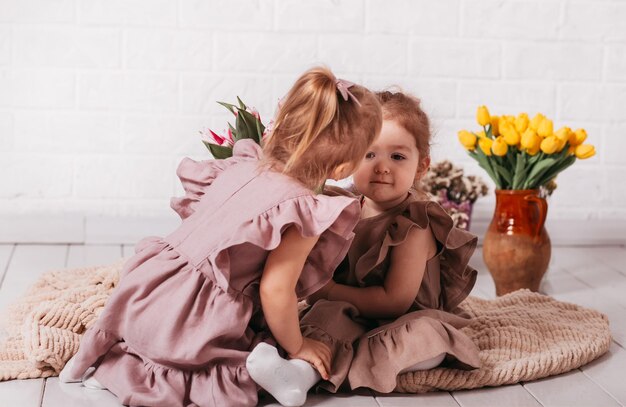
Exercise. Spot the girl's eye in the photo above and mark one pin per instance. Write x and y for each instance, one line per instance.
(397, 157)
(369, 155)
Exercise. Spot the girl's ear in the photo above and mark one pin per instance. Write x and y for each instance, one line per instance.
(342, 171)
(422, 167)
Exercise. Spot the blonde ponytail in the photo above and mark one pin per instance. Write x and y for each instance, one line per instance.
(316, 129)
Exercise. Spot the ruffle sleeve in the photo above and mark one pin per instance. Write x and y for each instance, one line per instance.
(197, 176)
(449, 278)
(455, 249)
(331, 218)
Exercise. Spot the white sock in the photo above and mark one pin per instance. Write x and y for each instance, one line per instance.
(287, 380)
(90, 382)
(426, 364)
(87, 378)
(65, 377)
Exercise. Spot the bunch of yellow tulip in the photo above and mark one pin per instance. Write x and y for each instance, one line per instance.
(522, 153)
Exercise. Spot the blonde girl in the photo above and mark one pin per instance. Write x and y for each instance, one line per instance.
(254, 238)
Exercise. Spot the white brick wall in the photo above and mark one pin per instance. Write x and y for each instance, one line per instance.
(99, 99)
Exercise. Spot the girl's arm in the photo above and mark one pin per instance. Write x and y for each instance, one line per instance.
(280, 303)
(278, 287)
(404, 277)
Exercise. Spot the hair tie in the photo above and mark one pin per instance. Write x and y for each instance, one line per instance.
(342, 87)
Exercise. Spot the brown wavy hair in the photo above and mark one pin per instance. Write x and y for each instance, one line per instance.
(407, 111)
(316, 130)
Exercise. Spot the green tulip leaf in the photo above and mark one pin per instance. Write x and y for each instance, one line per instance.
(520, 171)
(534, 158)
(505, 173)
(511, 158)
(484, 162)
(252, 123)
(231, 108)
(219, 152)
(538, 170)
(242, 128)
(558, 167)
(246, 126)
(260, 129)
(242, 106)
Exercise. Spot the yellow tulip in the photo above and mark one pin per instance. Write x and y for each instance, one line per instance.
(584, 151)
(504, 125)
(499, 147)
(485, 145)
(578, 137)
(521, 122)
(549, 144)
(533, 151)
(482, 116)
(509, 118)
(495, 125)
(530, 140)
(563, 134)
(536, 121)
(511, 136)
(545, 128)
(467, 139)
(481, 134)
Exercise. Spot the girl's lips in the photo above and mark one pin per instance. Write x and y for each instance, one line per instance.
(380, 182)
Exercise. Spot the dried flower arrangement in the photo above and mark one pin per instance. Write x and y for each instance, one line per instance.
(454, 191)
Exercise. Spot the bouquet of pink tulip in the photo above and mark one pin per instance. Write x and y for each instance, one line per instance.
(522, 153)
(247, 125)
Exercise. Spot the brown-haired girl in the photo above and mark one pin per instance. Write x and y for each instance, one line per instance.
(392, 305)
(254, 238)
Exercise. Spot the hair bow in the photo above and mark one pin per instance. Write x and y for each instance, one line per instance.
(342, 87)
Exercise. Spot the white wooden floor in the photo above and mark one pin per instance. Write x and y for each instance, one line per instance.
(593, 277)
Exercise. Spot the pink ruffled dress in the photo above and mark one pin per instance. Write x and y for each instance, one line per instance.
(186, 313)
(372, 353)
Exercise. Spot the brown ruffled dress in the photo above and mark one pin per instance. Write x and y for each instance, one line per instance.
(371, 353)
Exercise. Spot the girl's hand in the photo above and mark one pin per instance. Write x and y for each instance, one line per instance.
(317, 354)
(321, 294)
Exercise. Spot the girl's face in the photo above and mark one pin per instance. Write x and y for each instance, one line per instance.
(389, 168)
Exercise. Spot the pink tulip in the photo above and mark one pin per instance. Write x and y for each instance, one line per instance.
(230, 139)
(218, 139)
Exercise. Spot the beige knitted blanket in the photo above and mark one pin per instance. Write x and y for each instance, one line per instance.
(522, 336)
(43, 329)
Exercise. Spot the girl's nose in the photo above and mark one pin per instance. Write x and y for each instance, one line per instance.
(380, 168)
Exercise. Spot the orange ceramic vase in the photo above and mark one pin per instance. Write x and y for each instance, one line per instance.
(517, 248)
